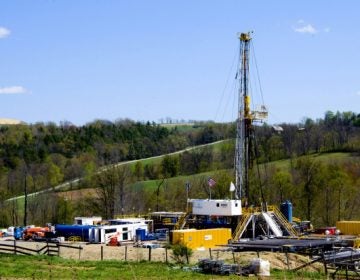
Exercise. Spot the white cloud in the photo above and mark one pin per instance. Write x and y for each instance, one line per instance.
(4, 32)
(308, 28)
(13, 90)
(327, 29)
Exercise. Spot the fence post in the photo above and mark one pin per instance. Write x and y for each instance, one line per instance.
(79, 251)
(210, 253)
(14, 246)
(287, 260)
(149, 254)
(126, 253)
(166, 255)
(58, 247)
(102, 252)
(187, 256)
(324, 263)
(47, 248)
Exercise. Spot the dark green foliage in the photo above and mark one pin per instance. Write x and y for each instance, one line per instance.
(196, 161)
(170, 166)
(52, 154)
(181, 253)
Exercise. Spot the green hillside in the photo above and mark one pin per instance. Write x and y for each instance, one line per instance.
(134, 167)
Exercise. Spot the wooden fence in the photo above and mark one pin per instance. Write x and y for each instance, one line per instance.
(48, 248)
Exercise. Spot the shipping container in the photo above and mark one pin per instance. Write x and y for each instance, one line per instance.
(201, 239)
(348, 227)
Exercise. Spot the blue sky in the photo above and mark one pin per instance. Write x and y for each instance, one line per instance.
(147, 60)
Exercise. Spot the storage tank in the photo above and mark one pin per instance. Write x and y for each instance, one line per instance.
(140, 234)
(286, 210)
(81, 232)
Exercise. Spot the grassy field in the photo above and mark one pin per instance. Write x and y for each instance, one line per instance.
(327, 158)
(44, 267)
(151, 185)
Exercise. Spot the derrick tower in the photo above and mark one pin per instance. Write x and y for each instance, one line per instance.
(245, 118)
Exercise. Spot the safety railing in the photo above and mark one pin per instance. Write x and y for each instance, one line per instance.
(245, 218)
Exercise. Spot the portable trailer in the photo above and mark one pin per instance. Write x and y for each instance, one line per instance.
(122, 232)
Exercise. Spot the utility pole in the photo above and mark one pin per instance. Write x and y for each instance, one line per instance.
(187, 186)
(25, 197)
(158, 193)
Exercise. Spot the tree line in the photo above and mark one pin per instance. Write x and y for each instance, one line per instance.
(47, 154)
(41, 156)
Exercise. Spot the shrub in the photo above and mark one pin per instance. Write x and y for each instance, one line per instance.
(181, 253)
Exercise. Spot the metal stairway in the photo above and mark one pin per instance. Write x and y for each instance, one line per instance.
(180, 224)
(242, 225)
(272, 224)
(283, 221)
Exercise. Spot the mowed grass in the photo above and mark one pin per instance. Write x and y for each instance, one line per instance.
(44, 267)
(326, 158)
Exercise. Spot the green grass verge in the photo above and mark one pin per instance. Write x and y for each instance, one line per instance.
(44, 267)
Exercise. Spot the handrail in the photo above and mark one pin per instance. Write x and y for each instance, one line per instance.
(241, 225)
(181, 222)
(284, 222)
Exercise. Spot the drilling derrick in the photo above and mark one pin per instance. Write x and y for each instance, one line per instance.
(243, 154)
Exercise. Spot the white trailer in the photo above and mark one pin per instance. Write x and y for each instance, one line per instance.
(216, 207)
(123, 232)
(87, 220)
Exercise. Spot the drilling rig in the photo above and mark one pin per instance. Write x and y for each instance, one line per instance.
(246, 220)
(244, 128)
(257, 219)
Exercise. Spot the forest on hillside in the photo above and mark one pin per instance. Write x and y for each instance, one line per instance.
(41, 156)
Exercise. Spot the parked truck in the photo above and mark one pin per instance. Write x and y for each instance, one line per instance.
(34, 233)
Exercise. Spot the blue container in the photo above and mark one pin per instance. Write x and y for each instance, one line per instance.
(140, 234)
(79, 231)
(18, 232)
(286, 210)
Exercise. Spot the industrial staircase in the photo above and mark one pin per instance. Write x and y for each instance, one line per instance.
(275, 228)
(282, 221)
(181, 223)
(242, 225)
(273, 218)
